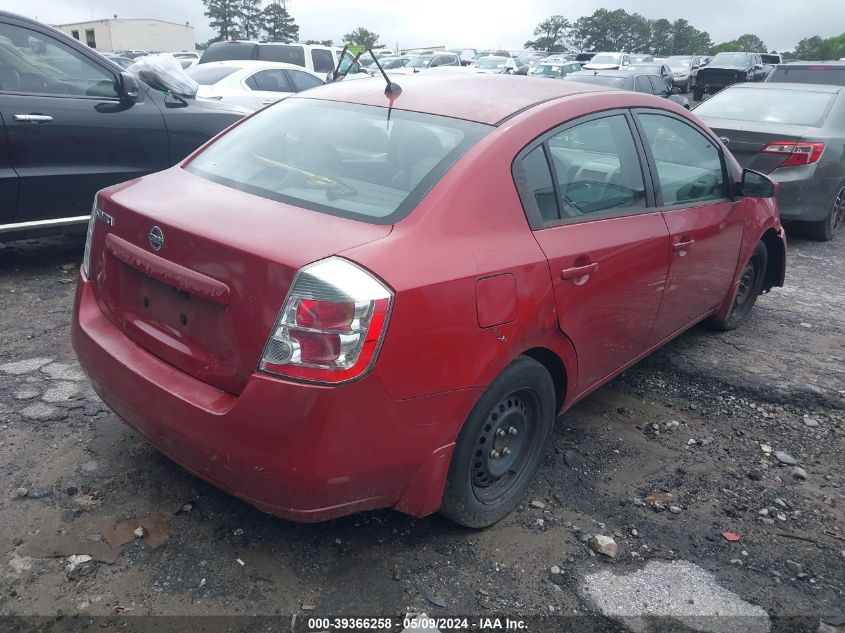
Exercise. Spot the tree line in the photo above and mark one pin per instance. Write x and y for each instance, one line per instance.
(619, 30)
(250, 19)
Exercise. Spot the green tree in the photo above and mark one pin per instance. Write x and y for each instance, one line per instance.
(251, 18)
(278, 24)
(751, 43)
(551, 35)
(362, 37)
(814, 49)
(223, 17)
(660, 39)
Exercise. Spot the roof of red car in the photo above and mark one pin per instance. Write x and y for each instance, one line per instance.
(482, 98)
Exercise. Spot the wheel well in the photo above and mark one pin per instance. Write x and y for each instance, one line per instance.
(774, 268)
(554, 365)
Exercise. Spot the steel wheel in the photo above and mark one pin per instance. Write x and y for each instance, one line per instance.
(504, 445)
(748, 289)
(501, 445)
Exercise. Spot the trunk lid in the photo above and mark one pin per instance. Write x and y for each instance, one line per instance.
(205, 301)
(746, 139)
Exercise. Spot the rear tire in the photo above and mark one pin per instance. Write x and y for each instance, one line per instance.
(825, 230)
(750, 285)
(501, 446)
(698, 94)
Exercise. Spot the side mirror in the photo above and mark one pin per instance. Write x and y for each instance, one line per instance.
(756, 185)
(128, 90)
(694, 66)
(626, 63)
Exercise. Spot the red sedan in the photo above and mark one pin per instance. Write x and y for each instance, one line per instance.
(356, 300)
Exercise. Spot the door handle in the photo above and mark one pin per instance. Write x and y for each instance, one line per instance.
(32, 118)
(682, 246)
(577, 272)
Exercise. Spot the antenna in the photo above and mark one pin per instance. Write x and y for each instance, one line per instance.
(392, 88)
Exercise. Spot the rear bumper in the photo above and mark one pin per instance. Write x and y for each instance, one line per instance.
(803, 195)
(301, 452)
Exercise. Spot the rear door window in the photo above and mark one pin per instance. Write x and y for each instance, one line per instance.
(289, 54)
(322, 60)
(689, 165)
(272, 80)
(224, 51)
(661, 88)
(302, 80)
(597, 169)
(643, 84)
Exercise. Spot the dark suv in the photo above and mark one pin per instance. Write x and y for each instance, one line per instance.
(73, 122)
(726, 69)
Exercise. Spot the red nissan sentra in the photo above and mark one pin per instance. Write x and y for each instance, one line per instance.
(357, 300)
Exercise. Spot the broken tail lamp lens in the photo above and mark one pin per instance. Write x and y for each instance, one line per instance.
(331, 326)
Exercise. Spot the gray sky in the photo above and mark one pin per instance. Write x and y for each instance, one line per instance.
(475, 23)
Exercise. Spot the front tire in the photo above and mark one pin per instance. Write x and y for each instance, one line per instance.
(698, 94)
(750, 285)
(825, 230)
(501, 446)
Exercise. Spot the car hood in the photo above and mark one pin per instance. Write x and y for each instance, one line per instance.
(601, 66)
(725, 67)
(212, 105)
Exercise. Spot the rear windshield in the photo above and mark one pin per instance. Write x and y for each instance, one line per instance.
(206, 75)
(356, 161)
(282, 53)
(819, 74)
(793, 107)
(224, 51)
(599, 80)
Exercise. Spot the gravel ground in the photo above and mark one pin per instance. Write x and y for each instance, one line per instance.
(697, 440)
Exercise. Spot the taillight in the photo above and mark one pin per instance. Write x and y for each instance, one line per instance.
(86, 254)
(331, 326)
(795, 154)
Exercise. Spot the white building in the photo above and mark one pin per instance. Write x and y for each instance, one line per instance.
(132, 35)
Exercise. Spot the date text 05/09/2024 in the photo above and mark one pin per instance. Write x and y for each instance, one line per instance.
(416, 623)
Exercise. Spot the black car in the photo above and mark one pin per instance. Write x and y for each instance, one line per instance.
(74, 122)
(726, 69)
(634, 80)
(585, 57)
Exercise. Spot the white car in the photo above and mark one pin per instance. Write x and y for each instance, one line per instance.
(608, 61)
(252, 84)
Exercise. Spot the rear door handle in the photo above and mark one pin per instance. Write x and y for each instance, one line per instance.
(683, 246)
(33, 118)
(576, 272)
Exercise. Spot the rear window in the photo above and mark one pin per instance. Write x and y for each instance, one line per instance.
(224, 51)
(282, 53)
(793, 107)
(818, 74)
(207, 75)
(356, 161)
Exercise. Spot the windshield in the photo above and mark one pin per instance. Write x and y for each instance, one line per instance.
(606, 59)
(793, 107)
(420, 62)
(816, 74)
(679, 62)
(362, 162)
(206, 75)
(492, 63)
(599, 80)
(740, 60)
